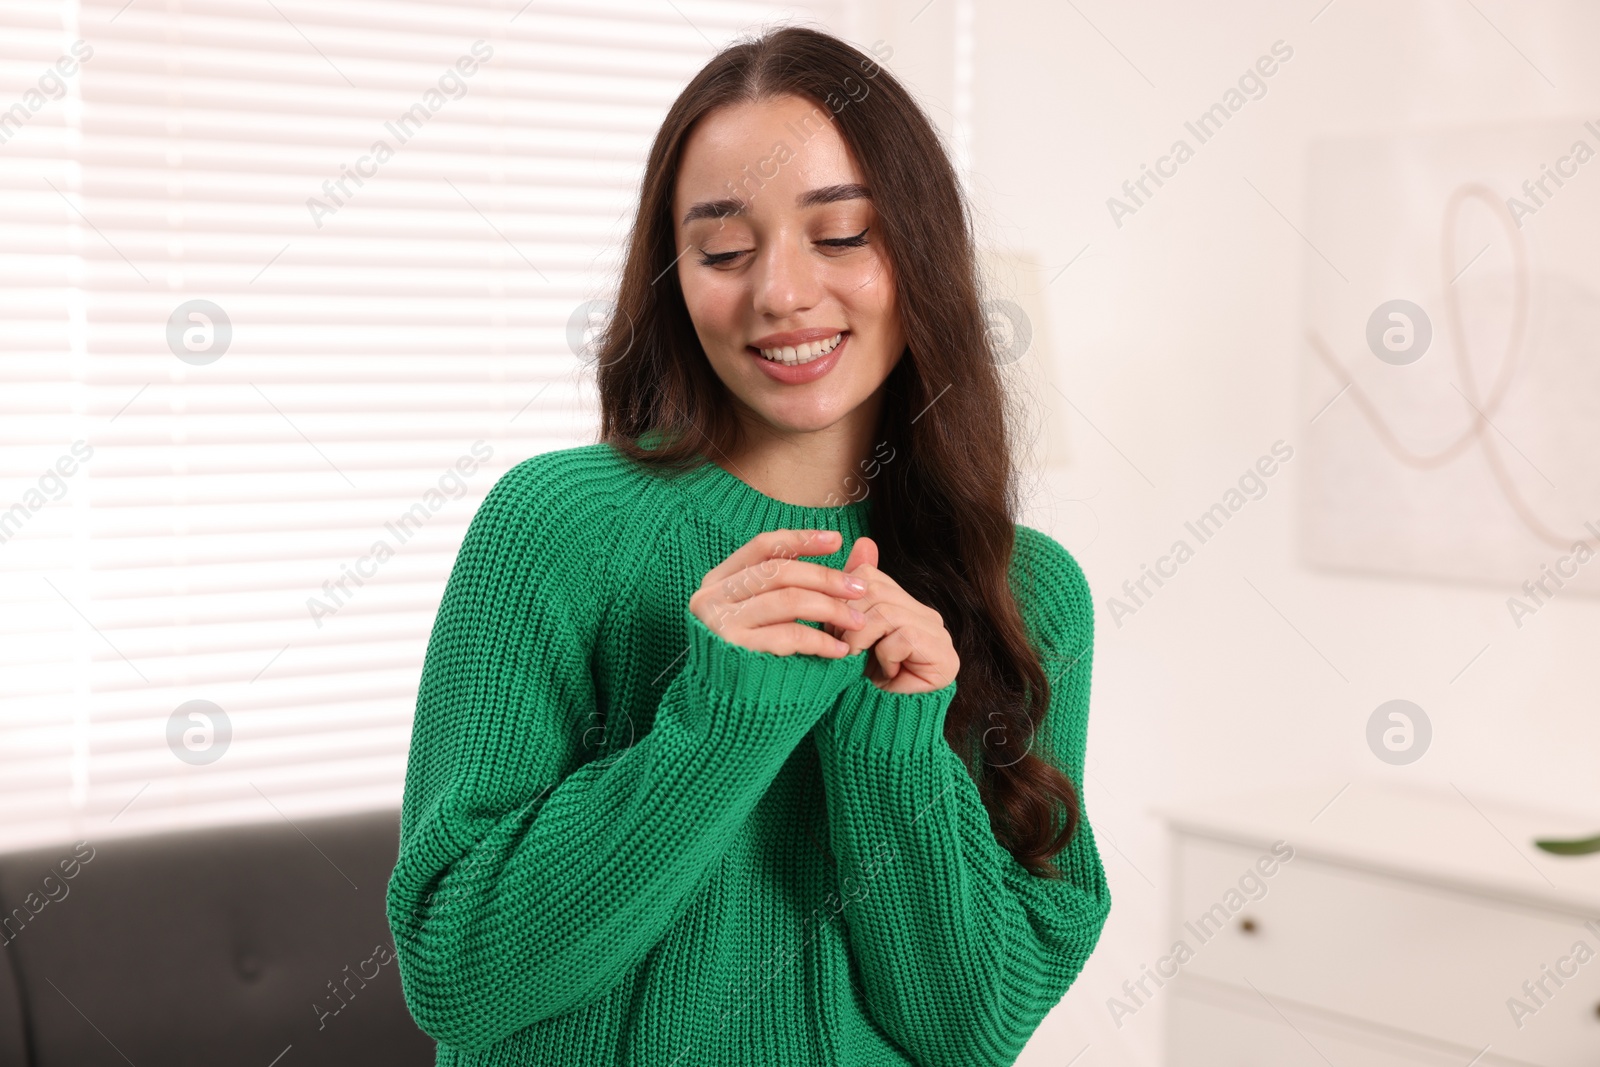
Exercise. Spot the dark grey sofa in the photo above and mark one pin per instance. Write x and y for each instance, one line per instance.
(258, 945)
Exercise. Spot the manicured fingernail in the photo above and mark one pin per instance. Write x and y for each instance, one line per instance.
(855, 585)
(856, 616)
(841, 646)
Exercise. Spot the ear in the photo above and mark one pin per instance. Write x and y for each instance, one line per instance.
(865, 550)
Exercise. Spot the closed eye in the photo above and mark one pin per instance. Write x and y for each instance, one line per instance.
(847, 242)
(712, 259)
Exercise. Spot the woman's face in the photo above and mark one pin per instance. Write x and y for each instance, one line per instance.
(769, 193)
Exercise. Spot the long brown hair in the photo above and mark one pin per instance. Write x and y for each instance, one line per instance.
(944, 508)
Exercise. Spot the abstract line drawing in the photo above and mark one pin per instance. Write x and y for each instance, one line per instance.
(1480, 429)
(1476, 459)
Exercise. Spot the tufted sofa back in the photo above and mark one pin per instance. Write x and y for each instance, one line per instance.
(235, 945)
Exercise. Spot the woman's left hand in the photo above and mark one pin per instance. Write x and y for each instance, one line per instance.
(911, 650)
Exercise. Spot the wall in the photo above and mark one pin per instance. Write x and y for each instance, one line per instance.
(1178, 337)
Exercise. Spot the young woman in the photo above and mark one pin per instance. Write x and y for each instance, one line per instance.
(701, 772)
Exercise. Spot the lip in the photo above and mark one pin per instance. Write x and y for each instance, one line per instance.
(805, 372)
(796, 337)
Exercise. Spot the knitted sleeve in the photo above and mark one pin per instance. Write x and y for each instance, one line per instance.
(961, 951)
(532, 876)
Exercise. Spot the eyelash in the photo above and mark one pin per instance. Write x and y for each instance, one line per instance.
(712, 259)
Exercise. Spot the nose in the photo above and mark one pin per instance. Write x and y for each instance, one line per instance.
(788, 278)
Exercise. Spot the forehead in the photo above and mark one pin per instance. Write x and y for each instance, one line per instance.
(784, 145)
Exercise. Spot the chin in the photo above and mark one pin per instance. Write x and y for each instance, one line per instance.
(793, 423)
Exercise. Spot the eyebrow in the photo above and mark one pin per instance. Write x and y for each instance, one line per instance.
(731, 206)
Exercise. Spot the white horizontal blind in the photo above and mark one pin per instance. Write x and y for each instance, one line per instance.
(299, 276)
(44, 650)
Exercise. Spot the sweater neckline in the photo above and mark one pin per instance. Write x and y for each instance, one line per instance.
(749, 511)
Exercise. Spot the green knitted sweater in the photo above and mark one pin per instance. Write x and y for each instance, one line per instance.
(626, 841)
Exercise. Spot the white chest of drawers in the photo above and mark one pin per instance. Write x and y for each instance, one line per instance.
(1409, 927)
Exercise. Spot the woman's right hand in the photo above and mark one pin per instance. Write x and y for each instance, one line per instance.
(756, 596)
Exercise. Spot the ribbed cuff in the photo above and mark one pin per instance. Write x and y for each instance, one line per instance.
(866, 717)
(750, 677)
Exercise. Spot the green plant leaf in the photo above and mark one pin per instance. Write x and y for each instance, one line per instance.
(1581, 846)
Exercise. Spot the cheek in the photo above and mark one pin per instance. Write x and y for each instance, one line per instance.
(869, 292)
(712, 306)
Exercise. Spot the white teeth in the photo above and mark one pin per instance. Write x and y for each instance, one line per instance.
(798, 354)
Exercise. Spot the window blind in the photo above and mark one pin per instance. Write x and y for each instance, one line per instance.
(287, 286)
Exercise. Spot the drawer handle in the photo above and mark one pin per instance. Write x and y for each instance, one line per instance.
(1248, 925)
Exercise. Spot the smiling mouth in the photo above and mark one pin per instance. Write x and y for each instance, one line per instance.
(798, 355)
